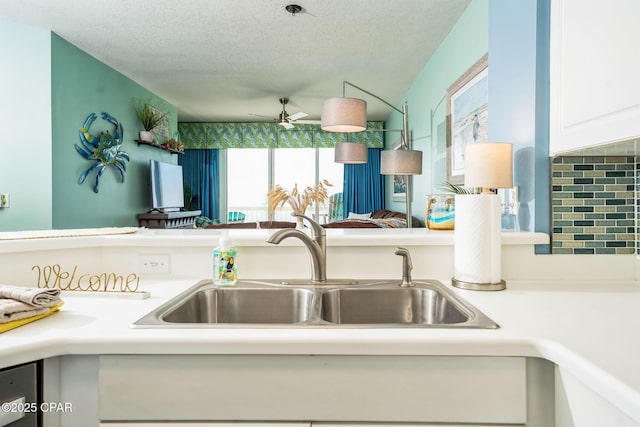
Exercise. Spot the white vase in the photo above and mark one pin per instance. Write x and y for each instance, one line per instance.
(146, 136)
(299, 223)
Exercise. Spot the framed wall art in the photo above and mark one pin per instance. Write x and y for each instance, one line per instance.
(399, 181)
(467, 116)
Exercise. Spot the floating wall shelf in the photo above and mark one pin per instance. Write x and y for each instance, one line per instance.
(161, 147)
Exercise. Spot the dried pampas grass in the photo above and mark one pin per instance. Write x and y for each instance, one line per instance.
(298, 200)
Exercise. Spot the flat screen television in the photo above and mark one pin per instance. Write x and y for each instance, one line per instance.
(167, 194)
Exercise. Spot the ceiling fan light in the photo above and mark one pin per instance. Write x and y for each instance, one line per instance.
(344, 115)
(350, 153)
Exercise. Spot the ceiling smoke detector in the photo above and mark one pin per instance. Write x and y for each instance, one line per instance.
(293, 9)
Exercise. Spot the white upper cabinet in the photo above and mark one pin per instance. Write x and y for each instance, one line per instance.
(595, 73)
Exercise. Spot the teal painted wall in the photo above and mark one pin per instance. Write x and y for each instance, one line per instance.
(464, 45)
(25, 118)
(81, 85)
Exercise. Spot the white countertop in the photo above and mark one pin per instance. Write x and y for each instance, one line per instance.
(590, 330)
(11, 242)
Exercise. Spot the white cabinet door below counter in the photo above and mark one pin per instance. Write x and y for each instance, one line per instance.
(204, 424)
(295, 388)
(284, 424)
(409, 425)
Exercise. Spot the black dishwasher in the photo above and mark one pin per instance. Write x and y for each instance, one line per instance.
(20, 396)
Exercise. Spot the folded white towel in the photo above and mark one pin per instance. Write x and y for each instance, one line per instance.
(11, 310)
(36, 297)
(17, 302)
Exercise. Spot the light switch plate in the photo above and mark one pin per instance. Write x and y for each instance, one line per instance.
(154, 263)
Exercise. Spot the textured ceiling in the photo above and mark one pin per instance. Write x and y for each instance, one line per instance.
(221, 60)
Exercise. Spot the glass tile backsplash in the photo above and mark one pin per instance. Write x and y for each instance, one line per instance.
(593, 203)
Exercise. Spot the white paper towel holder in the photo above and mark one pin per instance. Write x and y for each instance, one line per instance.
(478, 212)
(499, 286)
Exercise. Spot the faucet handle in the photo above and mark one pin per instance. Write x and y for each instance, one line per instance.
(407, 266)
(316, 229)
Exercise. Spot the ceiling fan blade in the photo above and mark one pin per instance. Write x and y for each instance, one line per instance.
(287, 125)
(297, 116)
(260, 115)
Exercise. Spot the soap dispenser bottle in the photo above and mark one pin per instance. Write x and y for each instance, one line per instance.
(225, 269)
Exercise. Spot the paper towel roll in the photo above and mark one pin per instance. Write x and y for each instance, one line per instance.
(477, 238)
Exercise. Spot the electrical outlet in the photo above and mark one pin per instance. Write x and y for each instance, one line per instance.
(154, 263)
(4, 200)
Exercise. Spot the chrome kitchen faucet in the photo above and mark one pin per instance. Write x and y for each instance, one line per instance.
(315, 244)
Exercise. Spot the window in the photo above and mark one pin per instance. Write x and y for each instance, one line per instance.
(249, 177)
(247, 183)
(334, 173)
(293, 166)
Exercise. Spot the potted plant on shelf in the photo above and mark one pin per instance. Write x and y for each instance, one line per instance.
(149, 116)
(298, 200)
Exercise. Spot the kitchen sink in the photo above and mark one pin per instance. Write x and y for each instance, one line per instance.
(391, 305)
(300, 303)
(243, 305)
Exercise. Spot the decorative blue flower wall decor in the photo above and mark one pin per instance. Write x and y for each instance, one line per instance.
(104, 150)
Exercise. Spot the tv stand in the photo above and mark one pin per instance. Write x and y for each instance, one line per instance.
(186, 219)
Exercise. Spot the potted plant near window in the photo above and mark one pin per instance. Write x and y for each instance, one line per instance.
(149, 116)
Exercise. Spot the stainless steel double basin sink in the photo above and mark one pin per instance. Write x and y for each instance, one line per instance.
(302, 304)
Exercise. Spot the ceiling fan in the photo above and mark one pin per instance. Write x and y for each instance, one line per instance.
(287, 121)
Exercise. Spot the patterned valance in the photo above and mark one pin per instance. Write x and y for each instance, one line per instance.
(271, 135)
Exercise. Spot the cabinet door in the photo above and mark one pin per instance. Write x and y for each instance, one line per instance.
(595, 95)
(18, 390)
(256, 388)
(578, 405)
(314, 424)
(204, 424)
